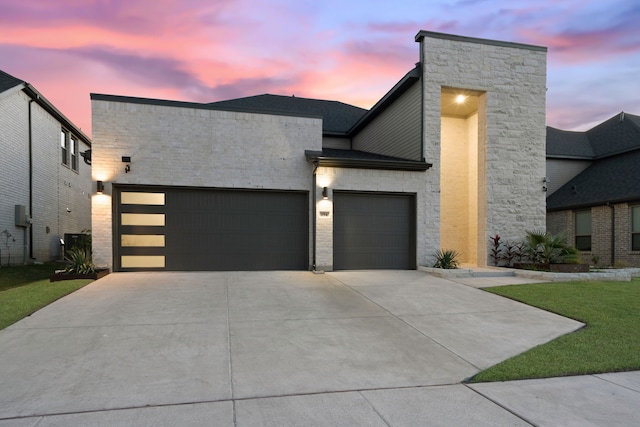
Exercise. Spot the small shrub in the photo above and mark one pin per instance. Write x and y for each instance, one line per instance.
(620, 264)
(543, 247)
(446, 258)
(512, 252)
(496, 250)
(80, 261)
(571, 255)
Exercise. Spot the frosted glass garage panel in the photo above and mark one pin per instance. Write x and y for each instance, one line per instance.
(142, 240)
(142, 219)
(142, 261)
(131, 198)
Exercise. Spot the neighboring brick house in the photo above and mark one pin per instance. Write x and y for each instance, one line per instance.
(594, 190)
(42, 171)
(278, 182)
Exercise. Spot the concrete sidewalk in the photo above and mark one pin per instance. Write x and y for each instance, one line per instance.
(287, 348)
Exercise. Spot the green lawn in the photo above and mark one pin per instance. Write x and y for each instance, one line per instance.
(609, 343)
(26, 289)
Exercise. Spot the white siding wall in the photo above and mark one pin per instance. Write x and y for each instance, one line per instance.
(55, 187)
(14, 172)
(561, 171)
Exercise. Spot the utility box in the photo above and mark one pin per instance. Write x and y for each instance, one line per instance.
(21, 216)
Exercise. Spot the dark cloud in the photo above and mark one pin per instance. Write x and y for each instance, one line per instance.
(249, 87)
(150, 71)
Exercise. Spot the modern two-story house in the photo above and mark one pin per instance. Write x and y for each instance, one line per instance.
(452, 154)
(45, 184)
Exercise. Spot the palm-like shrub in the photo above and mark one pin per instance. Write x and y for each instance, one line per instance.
(446, 258)
(544, 247)
(80, 261)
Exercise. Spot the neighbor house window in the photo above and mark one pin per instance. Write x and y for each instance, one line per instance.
(64, 146)
(635, 228)
(73, 146)
(583, 230)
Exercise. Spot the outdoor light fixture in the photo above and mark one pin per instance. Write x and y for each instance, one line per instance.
(460, 99)
(325, 193)
(99, 187)
(127, 160)
(544, 183)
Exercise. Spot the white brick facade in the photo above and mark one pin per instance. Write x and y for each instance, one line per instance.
(61, 196)
(374, 181)
(487, 167)
(511, 130)
(195, 147)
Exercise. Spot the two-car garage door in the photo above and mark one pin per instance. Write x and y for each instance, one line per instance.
(185, 229)
(192, 229)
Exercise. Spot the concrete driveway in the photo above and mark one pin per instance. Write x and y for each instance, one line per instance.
(265, 348)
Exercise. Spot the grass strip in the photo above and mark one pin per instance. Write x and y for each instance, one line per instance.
(20, 302)
(609, 343)
(26, 289)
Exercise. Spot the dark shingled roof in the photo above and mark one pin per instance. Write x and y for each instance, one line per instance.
(619, 134)
(337, 117)
(567, 144)
(7, 81)
(614, 175)
(610, 180)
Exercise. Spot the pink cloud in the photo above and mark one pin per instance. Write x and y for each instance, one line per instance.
(571, 47)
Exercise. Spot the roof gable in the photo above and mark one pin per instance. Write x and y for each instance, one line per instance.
(610, 180)
(7, 81)
(568, 144)
(616, 135)
(619, 134)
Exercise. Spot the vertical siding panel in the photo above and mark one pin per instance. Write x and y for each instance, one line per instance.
(396, 131)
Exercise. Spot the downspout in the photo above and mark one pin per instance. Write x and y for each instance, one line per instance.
(613, 234)
(313, 192)
(419, 65)
(30, 190)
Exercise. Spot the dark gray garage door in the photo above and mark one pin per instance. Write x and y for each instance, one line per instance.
(374, 231)
(182, 229)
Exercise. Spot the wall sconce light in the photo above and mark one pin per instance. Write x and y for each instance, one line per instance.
(127, 160)
(544, 183)
(325, 193)
(99, 187)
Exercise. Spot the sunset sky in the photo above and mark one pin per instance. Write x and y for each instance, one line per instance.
(352, 51)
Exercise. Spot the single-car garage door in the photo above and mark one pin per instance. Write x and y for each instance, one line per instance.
(374, 231)
(184, 229)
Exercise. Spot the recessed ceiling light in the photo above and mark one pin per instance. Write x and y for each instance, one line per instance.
(460, 99)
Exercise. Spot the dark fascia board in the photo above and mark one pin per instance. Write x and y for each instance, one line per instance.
(401, 87)
(568, 157)
(57, 114)
(593, 158)
(340, 162)
(194, 105)
(434, 35)
(628, 200)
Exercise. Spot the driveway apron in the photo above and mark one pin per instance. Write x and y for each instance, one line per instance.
(249, 348)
